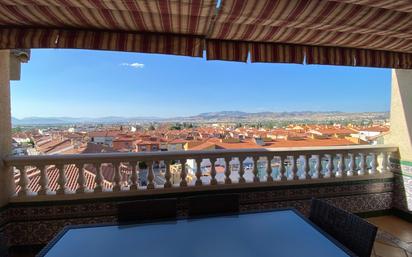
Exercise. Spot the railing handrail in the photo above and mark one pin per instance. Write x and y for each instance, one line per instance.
(194, 154)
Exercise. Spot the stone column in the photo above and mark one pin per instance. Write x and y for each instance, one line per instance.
(5, 126)
(401, 135)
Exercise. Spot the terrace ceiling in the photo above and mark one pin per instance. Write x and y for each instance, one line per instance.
(374, 33)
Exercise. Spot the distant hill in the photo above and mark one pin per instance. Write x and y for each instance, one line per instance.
(233, 116)
(70, 120)
(223, 116)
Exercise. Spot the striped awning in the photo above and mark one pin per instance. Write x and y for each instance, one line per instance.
(325, 32)
(150, 26)
(374, 33)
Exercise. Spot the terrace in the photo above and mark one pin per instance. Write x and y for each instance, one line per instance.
(74, 189)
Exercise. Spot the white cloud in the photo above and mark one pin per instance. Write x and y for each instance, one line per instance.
(135, 65)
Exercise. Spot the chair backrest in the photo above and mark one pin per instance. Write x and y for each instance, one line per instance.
(213, 204)
(350, 230)
(146, 210)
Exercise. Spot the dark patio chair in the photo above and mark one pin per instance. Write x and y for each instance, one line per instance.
(212, 204)
(350, 230)
(146, 210)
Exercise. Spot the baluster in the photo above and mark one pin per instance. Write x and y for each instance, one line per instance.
(183, 174)
(341, 166)
(98, 180)
(134, 177)
(362, 164)
(198, 172)
(351, 165)
(332, 174)
(293, 167)
(255, 169)
(241, 170)
(282, 169)
(116, 177)
(329, 166)
(318, 167)
(168, 175)
(150, 175)
(11, 170)
(306, 167)
(374, 163)
(44, 180)
(384, 162)
(213, 180)
(81, 180)
(269, 168)
(227, 171)
(23, 182)
(62, 180)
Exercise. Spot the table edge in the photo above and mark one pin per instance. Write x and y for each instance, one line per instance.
(59, 235)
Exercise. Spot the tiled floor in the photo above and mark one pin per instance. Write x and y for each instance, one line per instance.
(394, 237)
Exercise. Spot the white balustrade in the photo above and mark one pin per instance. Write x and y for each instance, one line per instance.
(385, 162)
(318, 167)
(242, 166)
(362, 164)
(134, 176)
(341, 163)
(183, 175)
(352, 164)
(81, 180)
(116, 177)
(99, 178)
(24, 181)
(227, 171)
(44, 180)
(282, 168)
(62, 180)
(329, 167)
(293, 168)
(150, 175)
(213, 180)
(306, 167)
(269, 177)
(374, 163)
(255, 169)
(198, 172)
(241, 170)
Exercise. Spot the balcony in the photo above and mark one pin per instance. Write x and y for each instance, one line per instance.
(49, 192)
(39, 195)
(67, 177)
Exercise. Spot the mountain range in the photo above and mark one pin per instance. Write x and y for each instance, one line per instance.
(222, 116)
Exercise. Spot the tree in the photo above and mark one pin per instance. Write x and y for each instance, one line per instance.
(176, 126)
(17, 130)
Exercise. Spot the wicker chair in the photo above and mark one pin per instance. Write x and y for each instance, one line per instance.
(213, 204)
(350, 230)
(146, 210)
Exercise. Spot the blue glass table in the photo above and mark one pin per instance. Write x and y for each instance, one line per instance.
(281, 233)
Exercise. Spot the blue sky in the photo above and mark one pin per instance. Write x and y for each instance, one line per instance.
(80, 83)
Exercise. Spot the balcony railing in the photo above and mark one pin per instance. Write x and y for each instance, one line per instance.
(109, 174)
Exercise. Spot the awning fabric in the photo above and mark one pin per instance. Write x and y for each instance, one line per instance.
(329, 31)
(373, 33)
(102, 40)
(150, 26)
